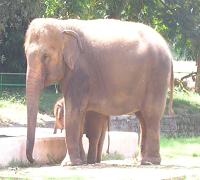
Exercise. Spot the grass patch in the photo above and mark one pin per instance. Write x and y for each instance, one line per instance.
(24, 164)
(17, 97)
(76, 177)
(113, 156)
(196, 154)
(13, 105)
(17, 164)
(186, 102)
(180, 147)
(12, 96)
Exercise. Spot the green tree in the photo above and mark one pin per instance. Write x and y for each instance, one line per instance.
(177, 20)
(14, 19)
(183, 21)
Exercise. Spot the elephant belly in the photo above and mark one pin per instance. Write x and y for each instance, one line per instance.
(119, 94)
(115, 105)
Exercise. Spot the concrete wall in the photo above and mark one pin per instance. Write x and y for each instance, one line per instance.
(182, 125)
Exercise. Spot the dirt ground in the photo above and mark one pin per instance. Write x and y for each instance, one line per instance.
(115, 169)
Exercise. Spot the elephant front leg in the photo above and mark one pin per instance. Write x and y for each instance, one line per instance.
(76, 100)
(73, 140)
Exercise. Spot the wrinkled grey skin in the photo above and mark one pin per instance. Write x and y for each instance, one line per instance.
(105, 66)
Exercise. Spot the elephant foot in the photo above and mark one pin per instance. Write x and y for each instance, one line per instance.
(83, 159)
(76, 162)
(150, 161)
(67, 162)
(30, 158)
(91, 162)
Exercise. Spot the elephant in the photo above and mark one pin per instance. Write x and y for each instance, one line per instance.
(95, 129)
(59, 115)
(107, 66)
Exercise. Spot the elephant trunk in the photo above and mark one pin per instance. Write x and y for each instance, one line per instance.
(34, 85)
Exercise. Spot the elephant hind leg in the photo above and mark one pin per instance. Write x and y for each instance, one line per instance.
(92, 152)
(96, 126)
(82, 152)
(150, 115)
(100, 146)
(149, 139)
(55, 129)
(142, 135)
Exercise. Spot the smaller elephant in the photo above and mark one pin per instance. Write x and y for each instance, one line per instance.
(95, 129)
(59, 115)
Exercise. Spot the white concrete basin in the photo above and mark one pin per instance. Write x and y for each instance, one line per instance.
(50, 148)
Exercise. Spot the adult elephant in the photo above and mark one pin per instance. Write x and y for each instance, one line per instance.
(106, 66)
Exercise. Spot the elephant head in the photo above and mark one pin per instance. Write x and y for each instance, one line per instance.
(52, 51)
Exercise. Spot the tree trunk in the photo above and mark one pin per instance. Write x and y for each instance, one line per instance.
(197, 83)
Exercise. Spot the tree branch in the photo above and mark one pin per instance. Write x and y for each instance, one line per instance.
(169, 8)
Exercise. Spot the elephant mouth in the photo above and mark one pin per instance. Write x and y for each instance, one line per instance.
(48, 83)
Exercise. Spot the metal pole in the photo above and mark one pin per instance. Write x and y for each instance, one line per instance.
(1, 82)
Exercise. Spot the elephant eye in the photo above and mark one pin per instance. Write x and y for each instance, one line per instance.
(45, 58)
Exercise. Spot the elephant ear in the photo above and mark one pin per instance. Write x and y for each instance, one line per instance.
(72, 48)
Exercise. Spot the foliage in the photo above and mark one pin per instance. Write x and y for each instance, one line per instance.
(177, 20)
(14, 19)
(48, 99)
(12, 96)
(185, 102)
(86, 9)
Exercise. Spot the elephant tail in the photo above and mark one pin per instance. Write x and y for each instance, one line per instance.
(108, 148)
(171, 111)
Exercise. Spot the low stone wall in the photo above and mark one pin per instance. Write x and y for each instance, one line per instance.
(181, 125)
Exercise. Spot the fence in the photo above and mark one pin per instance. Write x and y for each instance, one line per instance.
(12, 80)
(17, 80)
